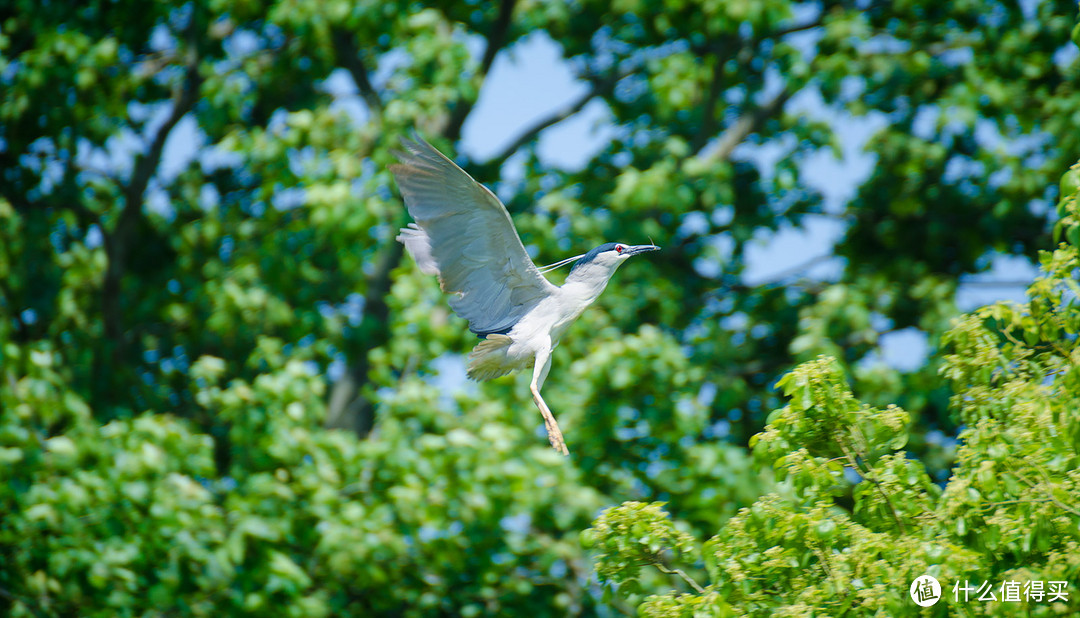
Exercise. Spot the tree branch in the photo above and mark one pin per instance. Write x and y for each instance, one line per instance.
(994, 284)
(496, 40)
(497, 37)
(747, 124)
(600, 86)
(795, 270)
(349, 57)
(706, 47)
(118, 241)
(708, 120)
(555, 118)
(349, 407)
(814, 23)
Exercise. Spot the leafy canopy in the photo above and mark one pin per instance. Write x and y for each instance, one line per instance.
(221, 386)
(854, 519)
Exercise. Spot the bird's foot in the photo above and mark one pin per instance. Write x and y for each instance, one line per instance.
(554, 433)
(556, 439)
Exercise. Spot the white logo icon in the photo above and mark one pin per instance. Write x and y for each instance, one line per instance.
(925, 591)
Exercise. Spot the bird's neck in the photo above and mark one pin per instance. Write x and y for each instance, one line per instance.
(586, 283)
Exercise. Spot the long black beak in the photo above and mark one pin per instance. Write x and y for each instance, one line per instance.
(636, 249)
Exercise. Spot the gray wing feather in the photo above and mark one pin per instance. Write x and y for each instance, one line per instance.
(464, 235)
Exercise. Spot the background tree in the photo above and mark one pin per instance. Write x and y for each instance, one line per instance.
(174, 338)
(854, 520)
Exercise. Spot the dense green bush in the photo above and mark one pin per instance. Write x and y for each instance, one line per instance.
(854, 519)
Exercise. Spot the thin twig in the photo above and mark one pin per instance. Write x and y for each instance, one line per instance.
(689, 580)
(1045, 489)
(991, 505)
(869, 475)
(824, 559)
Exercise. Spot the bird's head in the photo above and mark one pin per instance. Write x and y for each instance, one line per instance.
(607, 257)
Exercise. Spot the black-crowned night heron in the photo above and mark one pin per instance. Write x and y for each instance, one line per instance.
(464, 234)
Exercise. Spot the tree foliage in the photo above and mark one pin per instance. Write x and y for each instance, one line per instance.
(221, 386)
(854, 519)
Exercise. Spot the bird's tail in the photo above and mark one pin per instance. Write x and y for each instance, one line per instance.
(487, 360)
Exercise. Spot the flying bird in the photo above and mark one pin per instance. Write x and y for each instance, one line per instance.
(464, 235)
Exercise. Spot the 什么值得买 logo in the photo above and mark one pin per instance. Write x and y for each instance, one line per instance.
(925, 590)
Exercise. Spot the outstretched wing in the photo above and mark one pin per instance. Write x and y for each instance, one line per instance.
(464, 235)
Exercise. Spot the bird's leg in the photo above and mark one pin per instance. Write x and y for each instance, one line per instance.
(540, 371)
(554, 434)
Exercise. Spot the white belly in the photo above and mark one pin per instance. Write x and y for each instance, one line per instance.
(543, 326)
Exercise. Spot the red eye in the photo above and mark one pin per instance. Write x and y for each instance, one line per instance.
(619, 248)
